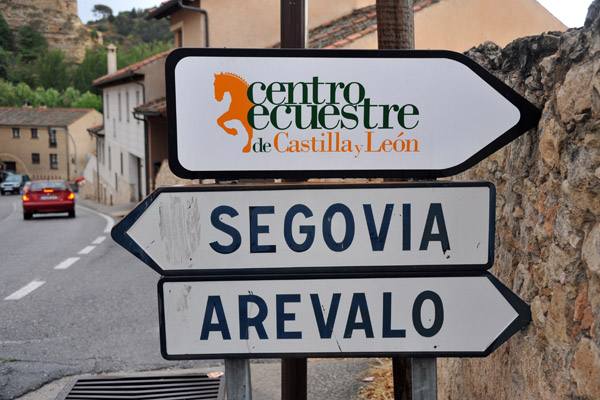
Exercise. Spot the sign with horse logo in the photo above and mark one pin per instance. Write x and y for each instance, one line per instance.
(269, 113)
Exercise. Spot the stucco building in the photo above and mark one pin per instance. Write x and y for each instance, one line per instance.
(124, 169)
(439, 24)
(349, 24)
(47, 143)
(133, 142)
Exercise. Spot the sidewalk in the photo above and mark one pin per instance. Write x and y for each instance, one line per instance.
(117, 211)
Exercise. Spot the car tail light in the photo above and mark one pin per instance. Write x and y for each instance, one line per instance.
(71, 196)
(26, 198)
(48, 190)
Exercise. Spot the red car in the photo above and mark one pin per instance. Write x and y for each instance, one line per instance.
(51, 196)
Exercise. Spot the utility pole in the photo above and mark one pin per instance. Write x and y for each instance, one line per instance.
(395, 24)
(395, 30)
(294, 36)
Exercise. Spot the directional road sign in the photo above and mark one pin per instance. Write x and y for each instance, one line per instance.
(433, 316)
(268, 113)
(313, 228)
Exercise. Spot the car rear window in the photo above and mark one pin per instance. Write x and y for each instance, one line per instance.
(48, 185)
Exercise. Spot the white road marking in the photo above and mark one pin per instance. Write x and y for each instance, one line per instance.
(87, 250)
(11, 213)
(67, 263)
(109, 221)
(99, 240)
(19, 294)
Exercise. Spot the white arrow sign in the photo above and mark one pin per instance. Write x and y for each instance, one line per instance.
(309, 228)
(242, 113)
(433, 316)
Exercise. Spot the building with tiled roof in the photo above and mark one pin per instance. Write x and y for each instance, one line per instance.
(344, 24)
(124, 170)
(47, 142)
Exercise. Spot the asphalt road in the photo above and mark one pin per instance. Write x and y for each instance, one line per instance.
(72, 301)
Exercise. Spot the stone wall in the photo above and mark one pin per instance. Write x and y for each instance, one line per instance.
(547, 224)
(57, 20)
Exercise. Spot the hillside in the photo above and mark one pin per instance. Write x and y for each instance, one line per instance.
(130, 28)
(56, 20)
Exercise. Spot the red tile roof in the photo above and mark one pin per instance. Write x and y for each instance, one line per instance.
(97, 130)
(128, 71)
(350, 27)
(45, 117)
(154, 107)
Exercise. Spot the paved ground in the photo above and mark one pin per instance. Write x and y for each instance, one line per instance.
(327, 379)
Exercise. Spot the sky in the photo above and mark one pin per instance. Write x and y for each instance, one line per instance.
(571, 12)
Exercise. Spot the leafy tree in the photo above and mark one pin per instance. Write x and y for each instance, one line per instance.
(52, 70)
(69, 96)
(7, 39)
(88, 100)
(6, 59)
(50, 98)
(31, 44)
(101, 11)
(23, 94)
(93, 66)
(7, 94)
(141, 52)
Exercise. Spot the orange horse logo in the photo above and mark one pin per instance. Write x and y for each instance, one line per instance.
(240, 105)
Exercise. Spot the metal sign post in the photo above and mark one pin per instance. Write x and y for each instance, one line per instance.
(424, 379)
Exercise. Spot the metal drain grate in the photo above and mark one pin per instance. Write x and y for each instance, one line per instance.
(157, 387)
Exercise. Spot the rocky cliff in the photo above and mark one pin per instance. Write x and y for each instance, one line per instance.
(548, 223)
(57, 20)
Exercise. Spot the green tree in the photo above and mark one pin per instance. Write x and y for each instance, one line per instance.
(23, 94)
(6, 59)
(52, 70)
(7, 94)
(101, 11)
(93, 66)
(69, 96)
(88, 100)
(7, 39)
(31, 44)
(141, 52)
(50, 98)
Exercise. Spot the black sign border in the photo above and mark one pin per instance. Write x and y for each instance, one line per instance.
(119, 231)
(529, 117)
(523, 318)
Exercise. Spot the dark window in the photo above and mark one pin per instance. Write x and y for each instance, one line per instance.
(34, 133)
(119, 104)
(107, 107)
(127, 105)
(52, 138)
(16, 133)
(121, 163)
(35, 158)
(109, 159)
(53, 161)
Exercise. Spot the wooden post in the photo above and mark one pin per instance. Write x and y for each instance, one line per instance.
(395, 24)
(402, 378)
(293, 36)
(424, 379)
(237, 379)
(395, 30)
(293, 24)
(293, 379)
